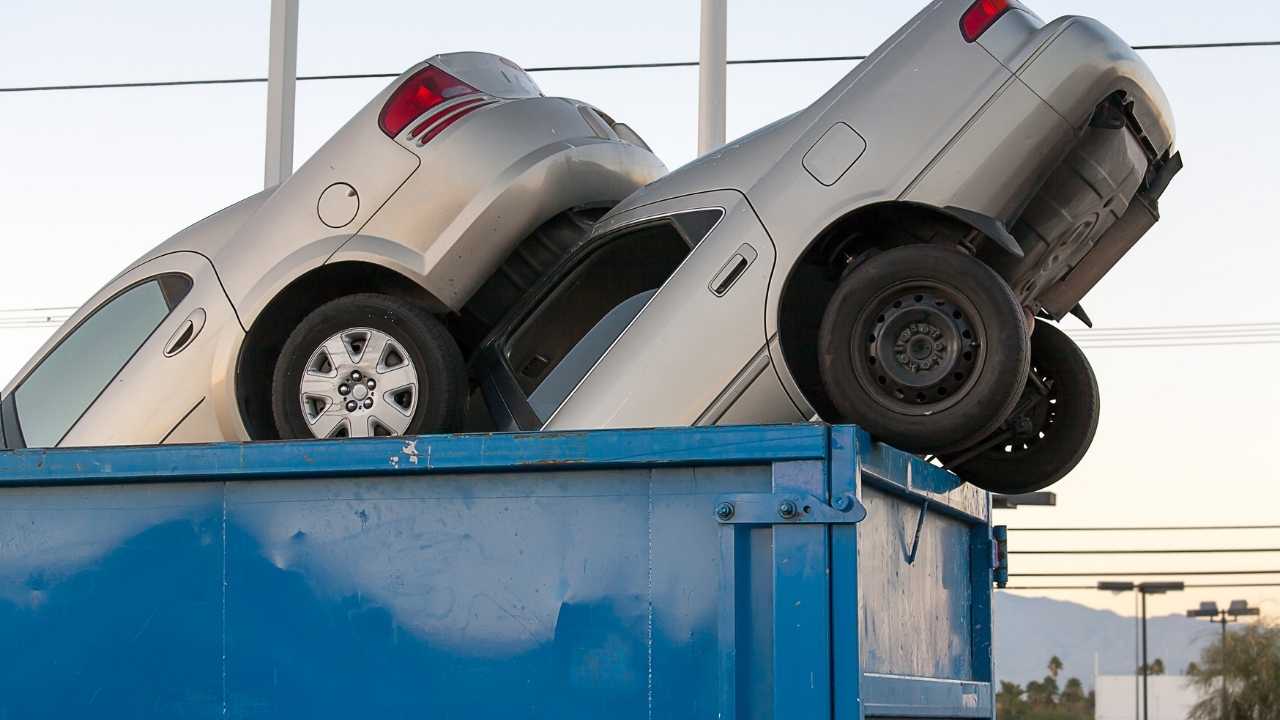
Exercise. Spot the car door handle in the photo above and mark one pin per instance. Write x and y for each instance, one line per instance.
(181, 338)
(732, 270)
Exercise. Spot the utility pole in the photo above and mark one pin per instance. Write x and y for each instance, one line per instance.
(1236, 609)
(282, 79)
(713, 71)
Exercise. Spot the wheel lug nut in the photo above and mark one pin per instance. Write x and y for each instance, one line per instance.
(343, 389)
(370, 383)
(355, 375)
(351, 406)
(368, 403)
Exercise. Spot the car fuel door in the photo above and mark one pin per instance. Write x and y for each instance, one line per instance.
(696, 353)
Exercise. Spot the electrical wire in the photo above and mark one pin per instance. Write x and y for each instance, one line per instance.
(1177, 551)
(1095, 587)
(571, 68)
(1147, 574)
(1145, 528)
(1178, 336)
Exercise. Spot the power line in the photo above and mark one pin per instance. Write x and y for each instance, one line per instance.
(1145, 528)
(1095, 587)
(1141, 346)
(568, 68)
(1180, 328)
(1178, 336)
(1147, 574)
(1178, 551)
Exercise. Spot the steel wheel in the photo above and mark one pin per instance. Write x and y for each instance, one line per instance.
(1050, 429)
(916, 349)
(923, 346)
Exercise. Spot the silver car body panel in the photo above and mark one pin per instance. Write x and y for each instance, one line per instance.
(451, 241)
(665, 385)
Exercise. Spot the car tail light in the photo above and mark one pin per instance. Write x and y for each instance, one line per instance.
(424, 90)
(982, 15)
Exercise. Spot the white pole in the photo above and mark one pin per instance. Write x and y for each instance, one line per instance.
(712, 75)
(282, 79)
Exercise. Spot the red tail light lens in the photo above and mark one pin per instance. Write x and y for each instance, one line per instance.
(423, 90)
(981, 16)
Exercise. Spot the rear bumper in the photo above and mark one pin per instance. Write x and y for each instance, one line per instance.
(1074, 63)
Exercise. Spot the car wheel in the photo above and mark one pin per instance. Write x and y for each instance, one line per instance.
(1051, 427)
(368, 365)
(925, 347)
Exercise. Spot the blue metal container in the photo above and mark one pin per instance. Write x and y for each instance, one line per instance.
(746, 572)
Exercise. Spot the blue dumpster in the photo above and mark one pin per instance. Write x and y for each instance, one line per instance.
(745, 572)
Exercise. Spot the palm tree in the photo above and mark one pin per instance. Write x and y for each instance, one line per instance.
(1055, 666)
(1250, 664)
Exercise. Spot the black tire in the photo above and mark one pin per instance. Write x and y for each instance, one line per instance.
(1052, 432)
(925, 347)
(440, 398)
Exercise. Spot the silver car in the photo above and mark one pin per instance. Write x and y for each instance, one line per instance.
(881, 257)
(341, 302)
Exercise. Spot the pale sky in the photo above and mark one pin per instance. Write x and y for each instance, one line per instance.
(91, 179)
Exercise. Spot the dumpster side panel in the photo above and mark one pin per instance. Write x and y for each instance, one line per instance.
(577, 594)
(111, 601)
(914, 612)
(619, 574)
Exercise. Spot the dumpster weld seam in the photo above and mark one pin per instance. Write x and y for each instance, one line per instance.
(649, 619)
(224, 600)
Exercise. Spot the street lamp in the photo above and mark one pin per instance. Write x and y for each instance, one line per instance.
(1144, 589)
(1119, 586)
(1013, 502)
(1237, 609)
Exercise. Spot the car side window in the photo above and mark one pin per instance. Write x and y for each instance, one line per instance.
(69, 379)
(561, 340)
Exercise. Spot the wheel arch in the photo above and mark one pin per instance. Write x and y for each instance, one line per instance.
(269, 328)
(813, 277)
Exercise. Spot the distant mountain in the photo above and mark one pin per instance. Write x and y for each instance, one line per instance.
(1028, 631)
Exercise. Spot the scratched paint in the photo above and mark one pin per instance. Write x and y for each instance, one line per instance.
(914, 617)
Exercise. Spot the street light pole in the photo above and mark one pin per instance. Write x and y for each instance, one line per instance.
(282, 79)
(1146, 695)
(1225, 702)
(1151, 588)
(1127, 586)
(1236, 609)
(1144, 589)
(713, 71)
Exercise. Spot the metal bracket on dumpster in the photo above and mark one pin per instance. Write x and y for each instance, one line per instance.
(787, 509)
